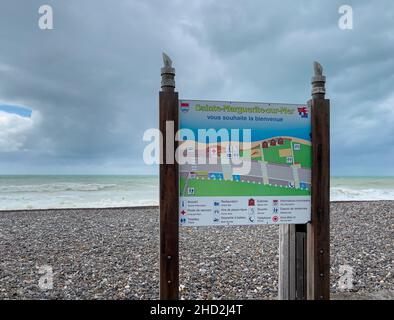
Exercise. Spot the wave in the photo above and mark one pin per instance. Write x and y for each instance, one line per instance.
(72, 203)
(56, 187)
(367, 194)
(101, 192)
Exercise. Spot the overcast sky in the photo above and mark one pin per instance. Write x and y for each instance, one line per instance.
(92, 83)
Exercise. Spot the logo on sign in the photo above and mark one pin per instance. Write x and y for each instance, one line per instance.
(275, 218)
(184, 107)
(303, 112)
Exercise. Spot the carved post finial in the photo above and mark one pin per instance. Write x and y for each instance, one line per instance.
(167, 74)
(318, 82)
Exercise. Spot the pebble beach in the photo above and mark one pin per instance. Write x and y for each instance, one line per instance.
(113, 254)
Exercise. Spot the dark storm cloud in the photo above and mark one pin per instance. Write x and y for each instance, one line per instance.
(94, 79)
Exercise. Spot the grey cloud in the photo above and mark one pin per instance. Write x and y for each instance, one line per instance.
(95, 78)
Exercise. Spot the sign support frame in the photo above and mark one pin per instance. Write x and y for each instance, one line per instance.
(304, 250)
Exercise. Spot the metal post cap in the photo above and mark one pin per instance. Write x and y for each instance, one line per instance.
(318, 81)
(167, 73)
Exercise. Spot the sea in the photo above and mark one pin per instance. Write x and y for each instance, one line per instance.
(52, 192)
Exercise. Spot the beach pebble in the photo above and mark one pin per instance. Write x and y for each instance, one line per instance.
(114, 254)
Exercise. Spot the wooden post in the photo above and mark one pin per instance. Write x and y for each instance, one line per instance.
(318, 233)
(292, 262)
(169, 191)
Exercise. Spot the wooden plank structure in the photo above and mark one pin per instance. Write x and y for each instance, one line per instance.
(169, 191)
(292, 262)
(287, 248)
(304, 250)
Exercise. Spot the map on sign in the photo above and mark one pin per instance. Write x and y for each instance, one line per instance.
(244, 163)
